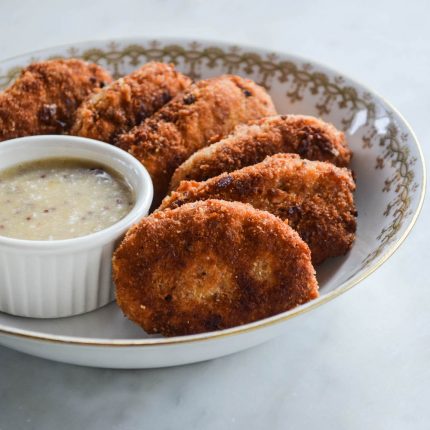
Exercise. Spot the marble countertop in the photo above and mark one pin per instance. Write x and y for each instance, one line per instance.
(360, 362)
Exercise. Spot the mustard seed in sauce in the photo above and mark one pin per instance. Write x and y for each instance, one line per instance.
(59, 198)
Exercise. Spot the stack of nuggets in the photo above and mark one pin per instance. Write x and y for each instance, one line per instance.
(197, 264)
(316, 198)
(255, 198)
(207, 111)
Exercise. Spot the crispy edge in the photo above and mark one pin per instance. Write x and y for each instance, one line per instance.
(315, 197)
(128, 101)
(254, 266)
(206, 111)
(249, 144)
(45, 96)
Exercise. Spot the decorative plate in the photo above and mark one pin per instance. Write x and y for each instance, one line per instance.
(387, 161)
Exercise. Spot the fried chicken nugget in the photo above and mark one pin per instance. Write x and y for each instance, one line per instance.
(128, 101)
(315, 197)
(46, 95)
(249, 144)
(208, 266)
(207, 111)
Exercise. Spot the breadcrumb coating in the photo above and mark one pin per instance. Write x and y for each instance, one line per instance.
(205, 112)
(44, 98)
(208, 266)
(315, 197)
(249, 144)
(128, 101)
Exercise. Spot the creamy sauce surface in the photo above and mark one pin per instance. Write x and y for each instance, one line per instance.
(60, 198)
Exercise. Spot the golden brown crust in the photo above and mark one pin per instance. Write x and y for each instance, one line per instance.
(206, 111)
(210, 265)
(249, 144)
(128, 101)
(315, 197)
(46, 95)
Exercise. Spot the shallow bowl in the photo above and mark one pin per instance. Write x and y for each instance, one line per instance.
(387, 161)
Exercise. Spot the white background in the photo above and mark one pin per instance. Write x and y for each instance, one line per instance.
(359, 362)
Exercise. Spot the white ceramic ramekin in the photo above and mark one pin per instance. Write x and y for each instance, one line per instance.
(50, 279)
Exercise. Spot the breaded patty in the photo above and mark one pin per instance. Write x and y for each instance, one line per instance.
(128, 101)
(315, 197)
(207, 111)
(46, 95)
(208, 266)
(249, 144)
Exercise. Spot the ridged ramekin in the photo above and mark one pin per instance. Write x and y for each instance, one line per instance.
(59, 278)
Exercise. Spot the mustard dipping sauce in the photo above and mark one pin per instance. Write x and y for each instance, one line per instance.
(61, 198)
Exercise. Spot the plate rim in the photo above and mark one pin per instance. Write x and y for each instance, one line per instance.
(266, 322)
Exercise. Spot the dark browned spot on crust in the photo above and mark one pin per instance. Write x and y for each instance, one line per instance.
(166, 96)
(142, 113)
(224, 182)
(309, 138)
(292, 210)
(153, 126)
(189, 99)
(213, 322)
(47, 113)
(70, 103)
